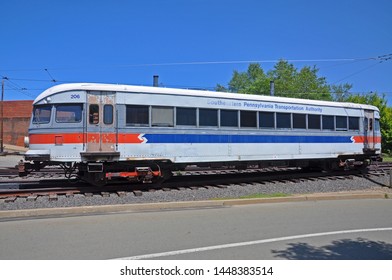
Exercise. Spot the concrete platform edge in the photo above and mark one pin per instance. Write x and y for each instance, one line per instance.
(139, 207)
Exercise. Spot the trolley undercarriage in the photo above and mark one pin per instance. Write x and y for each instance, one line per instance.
(102, 173)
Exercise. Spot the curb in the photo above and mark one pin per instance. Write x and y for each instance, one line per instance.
(102, 209)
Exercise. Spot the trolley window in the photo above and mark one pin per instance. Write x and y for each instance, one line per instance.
(341, 123)
(162, 116)
(71, 113)
(41, 113)
(108, 114)
(328, 122)
(248, 119)
(208, 117)
(299, 121)
(94, 114)
(376, 125)
(283, 120)
(137, 115)
(186, 116)
(229, 118)
(314, 122)
(353, 123)
(266, 120)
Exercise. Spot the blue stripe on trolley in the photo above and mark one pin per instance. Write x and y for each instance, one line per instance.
(221, 139)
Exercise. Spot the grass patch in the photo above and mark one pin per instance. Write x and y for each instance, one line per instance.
(256, 195)
(387, 158)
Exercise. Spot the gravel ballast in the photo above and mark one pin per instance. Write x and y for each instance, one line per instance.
(356, 184)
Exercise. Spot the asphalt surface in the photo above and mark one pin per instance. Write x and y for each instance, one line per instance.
(329, 229)
(338, 225)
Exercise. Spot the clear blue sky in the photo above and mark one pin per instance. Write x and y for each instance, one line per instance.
(127, 42)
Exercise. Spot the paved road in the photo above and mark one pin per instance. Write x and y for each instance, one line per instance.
(348, 229)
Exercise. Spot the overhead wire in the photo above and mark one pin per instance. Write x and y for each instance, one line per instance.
(16, 87)
(357, 72)
(21, 90)
(379, 59)
(47, 71)
(196, 63)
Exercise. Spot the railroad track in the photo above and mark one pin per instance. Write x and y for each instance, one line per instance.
(193, 179)
(9, 175)
(381, 166)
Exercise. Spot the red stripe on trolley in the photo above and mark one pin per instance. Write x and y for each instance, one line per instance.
(368, 139)
(79, 138)
(68, 138)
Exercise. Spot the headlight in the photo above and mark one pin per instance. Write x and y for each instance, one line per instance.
(26, 141)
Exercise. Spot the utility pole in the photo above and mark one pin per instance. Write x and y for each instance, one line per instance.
(2, 118)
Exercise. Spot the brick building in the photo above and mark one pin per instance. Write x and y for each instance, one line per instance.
(16, 121)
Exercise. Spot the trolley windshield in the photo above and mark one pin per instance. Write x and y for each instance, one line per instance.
(41, 113)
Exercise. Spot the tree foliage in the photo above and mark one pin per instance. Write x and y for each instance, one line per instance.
(306, 83)
(289, 81)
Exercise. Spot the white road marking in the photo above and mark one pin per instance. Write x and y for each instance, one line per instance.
(248, 243)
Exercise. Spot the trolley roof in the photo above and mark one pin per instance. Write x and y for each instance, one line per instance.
(187, 92)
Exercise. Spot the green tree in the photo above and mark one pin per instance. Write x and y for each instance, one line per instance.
(289, 81)
(341, 92)
(253, 81)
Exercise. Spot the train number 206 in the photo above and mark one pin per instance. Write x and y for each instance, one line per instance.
(75, 96)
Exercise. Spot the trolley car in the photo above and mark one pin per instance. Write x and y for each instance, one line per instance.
(103, 132)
